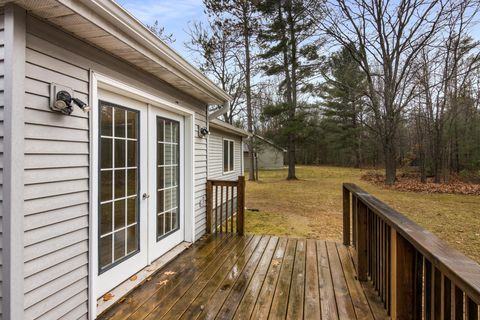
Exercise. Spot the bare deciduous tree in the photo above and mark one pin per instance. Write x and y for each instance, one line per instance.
(220, 58)
(385, 37)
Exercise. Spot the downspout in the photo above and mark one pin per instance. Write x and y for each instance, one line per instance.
(219, 112)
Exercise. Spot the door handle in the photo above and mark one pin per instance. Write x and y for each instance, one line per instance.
(145, 196)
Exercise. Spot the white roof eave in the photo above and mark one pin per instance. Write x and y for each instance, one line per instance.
(124, 31)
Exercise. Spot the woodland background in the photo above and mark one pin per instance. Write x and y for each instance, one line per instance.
(376, 84)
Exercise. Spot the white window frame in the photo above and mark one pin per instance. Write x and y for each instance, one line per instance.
(98, 80)
(232, 169)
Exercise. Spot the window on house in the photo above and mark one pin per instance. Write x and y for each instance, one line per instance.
(228, 147)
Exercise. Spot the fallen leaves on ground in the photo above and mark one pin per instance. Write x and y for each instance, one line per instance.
(413, 184)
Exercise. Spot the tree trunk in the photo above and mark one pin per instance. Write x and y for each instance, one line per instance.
(390, 161)
(248, 91)
(289, 97)
(293, 92)
(437, 158)
(291, 157)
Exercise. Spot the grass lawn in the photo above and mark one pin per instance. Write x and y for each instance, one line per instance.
(312, 207)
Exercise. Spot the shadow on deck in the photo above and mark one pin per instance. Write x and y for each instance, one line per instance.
(254, 277)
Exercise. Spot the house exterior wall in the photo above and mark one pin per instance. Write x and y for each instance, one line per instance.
(1, 148)
(215, 155)
(269, 157)
(57, 173)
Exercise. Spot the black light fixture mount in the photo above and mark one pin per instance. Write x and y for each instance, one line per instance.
(204, 131)
(62, 100)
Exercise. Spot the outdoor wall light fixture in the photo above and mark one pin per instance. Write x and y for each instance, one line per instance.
(62, 100)
(204, 131)
(63, 103)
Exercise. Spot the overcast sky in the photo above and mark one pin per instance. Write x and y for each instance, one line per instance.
(174, 15)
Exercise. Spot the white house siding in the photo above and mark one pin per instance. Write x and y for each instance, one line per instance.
(57, 168)
(215, 155)
(1, 149)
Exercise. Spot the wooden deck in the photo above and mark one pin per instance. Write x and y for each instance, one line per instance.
(254, 277)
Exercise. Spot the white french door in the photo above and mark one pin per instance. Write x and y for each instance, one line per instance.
(140, 186)
(122, 213)
(166, 166)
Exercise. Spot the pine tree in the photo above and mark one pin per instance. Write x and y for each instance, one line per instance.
(344, 103)
(290, 50)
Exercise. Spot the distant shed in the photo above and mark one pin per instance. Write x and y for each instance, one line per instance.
(269, 155)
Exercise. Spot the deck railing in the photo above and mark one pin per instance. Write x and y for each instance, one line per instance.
(416, 275)
(226, 206)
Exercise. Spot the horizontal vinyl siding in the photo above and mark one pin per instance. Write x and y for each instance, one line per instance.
(2, 71)
(56, 190)
(215, 156)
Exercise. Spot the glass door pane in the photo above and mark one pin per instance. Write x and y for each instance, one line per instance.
(168, 177)
(118, 185)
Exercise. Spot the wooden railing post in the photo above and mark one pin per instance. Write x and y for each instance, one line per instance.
(361, 240)
(403, 277)
(241, 205)
(209, 205)
(346, 216)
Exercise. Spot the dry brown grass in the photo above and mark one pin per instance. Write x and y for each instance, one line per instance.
(312, 207)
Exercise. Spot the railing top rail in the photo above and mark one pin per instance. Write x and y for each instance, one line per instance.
(459, 268)
(226, 183)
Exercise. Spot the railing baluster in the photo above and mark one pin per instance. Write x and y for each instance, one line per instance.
(241, 205)
(216, 209)
(403, 287)
(471, 309)
(233, 208)
(437, 293)
(458, 304)
(446, 298)
(221, 209)
(387, 267)
(361, 242)
(382, 261)
(418, 290)
(346, 217)
(209, 206)
(428, 290)
(379, 273)
(354, 221)
(227, 203)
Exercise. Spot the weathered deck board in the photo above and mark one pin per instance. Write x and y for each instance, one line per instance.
(253, 277)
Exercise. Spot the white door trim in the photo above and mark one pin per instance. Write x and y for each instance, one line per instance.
(97, 81)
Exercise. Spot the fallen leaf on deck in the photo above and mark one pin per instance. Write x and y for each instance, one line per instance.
(162, 283)
(133, 278)
(275, 263)
(108, 296)
(169, 273)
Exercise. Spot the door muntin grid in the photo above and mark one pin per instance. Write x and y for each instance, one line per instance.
(168, 177)
(119, 155)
